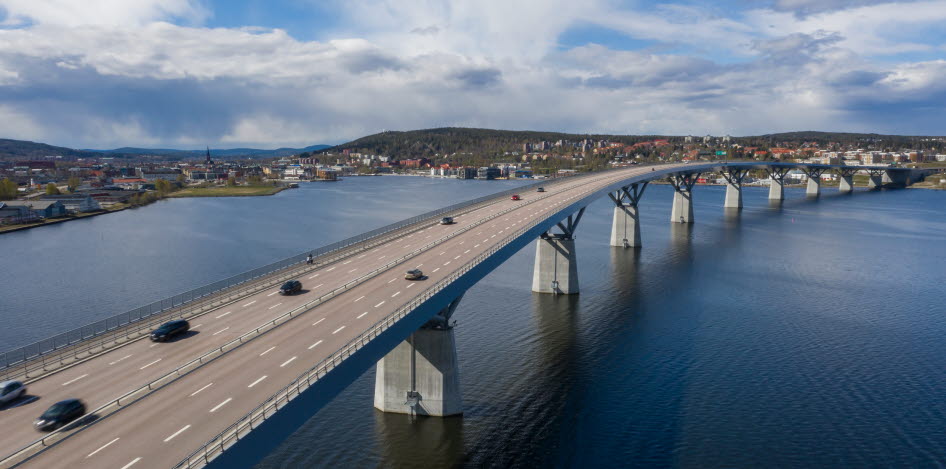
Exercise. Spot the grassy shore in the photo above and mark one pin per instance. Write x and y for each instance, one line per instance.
(227, 191)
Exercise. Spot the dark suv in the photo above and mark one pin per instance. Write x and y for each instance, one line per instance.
(290, 287)
(169, 330)
(60, 414)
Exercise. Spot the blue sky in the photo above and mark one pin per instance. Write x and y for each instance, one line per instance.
(188, 73)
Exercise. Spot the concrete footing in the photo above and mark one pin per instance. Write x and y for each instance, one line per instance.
(777, 190)
(846, 183)
(733, 196)
(814, 187)
(421, 376)
(556, 266)
(682, 207)
(625, 229)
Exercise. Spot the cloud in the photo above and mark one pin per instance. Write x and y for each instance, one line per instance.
(123, 13)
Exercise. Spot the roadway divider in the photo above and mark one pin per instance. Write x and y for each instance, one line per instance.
(136, 395)
(36, 360)
(248, 422)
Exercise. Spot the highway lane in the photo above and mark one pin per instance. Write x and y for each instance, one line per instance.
(173, 421)
(121, 370)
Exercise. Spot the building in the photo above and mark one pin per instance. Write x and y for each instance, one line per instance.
(466, 173)
(16, 214)
(76, 202)
(154, 175)
(488, 173)
(42, 208)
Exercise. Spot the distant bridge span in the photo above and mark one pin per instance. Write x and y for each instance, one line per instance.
(261, 364)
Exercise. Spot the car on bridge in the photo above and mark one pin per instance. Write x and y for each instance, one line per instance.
(60, 414)
(170, 329)
(541, 189)
(515, 197)
(290, 287)
(414, 274)
(11, 391)
(446, 221)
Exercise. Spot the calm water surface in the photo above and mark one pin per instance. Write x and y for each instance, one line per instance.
(806, 335)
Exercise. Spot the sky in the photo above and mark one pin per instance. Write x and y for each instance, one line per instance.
(266, 74)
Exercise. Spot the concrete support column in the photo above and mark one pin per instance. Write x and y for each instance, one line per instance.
(875, 182)
(733, 188)
(625, 228)
(845, 183)
(421, 376)
(682, 211)
(814, 187)
(556, 266)
(776, 188)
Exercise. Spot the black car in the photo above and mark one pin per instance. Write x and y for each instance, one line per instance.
(446, 221)
(169, 330)
(59, 415)
(290, 287)
(541, 189)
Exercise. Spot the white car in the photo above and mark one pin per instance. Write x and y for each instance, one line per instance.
(11, 391)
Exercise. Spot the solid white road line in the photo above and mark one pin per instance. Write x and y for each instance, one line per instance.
(254, 301)
(221, 404)
(267, 350)
(313, 345)
(396, 294)
(100, 449)
(120, 359)
(132, 463)
(224, 314)
(362, 315)
(337, 330)
(379, 304)
(275, 305)
(201, 389)
(316, 323)
(149, 364)
(360, 297)
(74, 380)
(176, 433)
(254, 383)
(273, 293)
(287, 362)
(221, 330)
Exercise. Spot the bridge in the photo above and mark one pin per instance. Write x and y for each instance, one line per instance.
(257, 365)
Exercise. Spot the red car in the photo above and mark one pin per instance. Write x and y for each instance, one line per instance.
(515, 197)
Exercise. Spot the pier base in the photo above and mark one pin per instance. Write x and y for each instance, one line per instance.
(846, 183)
(682, 207)
(556, 266)
(814, 187)
(421, 376)
(625, 228)
(733, 196)
(777, 190)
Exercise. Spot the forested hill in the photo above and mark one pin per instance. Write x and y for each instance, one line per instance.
(24, 150)
(449, 140)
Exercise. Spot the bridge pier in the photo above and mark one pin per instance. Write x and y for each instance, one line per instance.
(777, 187)
(421, 376)
(896, 178)
(625, 228)
(876, 180)
(734, 188)
(556, 263)
(682, 197)
(845, 181)
(814, 182)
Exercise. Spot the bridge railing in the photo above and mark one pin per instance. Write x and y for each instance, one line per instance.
(248, 422)
(23, 361)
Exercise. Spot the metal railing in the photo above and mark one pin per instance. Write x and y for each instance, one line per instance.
(77, 344)
(244, 425)
(133, 396)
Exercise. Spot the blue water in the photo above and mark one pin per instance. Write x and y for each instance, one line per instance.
(804, 335)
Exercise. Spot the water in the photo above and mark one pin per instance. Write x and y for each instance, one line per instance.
(800, 336)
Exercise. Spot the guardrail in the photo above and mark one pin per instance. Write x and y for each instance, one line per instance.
(95, 337)
(244, 425)
(135, 395)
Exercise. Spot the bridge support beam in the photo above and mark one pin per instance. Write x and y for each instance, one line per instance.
(683, 197)
(777, 187)
(814, 182)
(421, 376)
(845, 181)
(734, 188)
(625, 228)
(556, 263)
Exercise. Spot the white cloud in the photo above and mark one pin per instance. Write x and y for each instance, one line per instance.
(120, 13)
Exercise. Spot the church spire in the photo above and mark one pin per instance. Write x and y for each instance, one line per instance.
(209, 161)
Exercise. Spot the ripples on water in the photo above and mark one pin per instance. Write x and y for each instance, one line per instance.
(808, 335)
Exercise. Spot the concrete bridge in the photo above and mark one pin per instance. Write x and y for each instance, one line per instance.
(258, 365)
